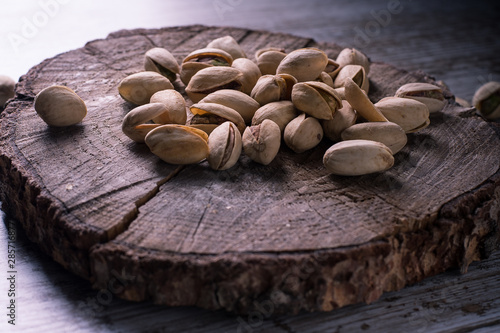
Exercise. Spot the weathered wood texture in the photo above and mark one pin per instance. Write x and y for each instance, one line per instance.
(287, 234)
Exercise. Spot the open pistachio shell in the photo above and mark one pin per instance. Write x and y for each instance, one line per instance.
(237, 100)
(427, 93)
(390, 134)
(228, 44)
(316, 99)
(281, 112)
(351, 56)
(139, 87)
(225, 146)
(269, 59)
(160, 60)
(304, 64)
(136, 124)
(332, 68)
(262, 142)
(213, 113)
(251, 73)
(360, 102)
(356, 73)
(303, 133)
(343, 118)
(211, 79)
(408, 113)
(203, 58)
(176, 107)
(487, 100)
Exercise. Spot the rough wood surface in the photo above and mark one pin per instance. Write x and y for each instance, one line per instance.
(289, 234)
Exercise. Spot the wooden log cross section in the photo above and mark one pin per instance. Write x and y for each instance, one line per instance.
(288, 234)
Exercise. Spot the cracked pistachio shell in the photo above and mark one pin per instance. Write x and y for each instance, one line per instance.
(203, 58)
(351, 56)
(343, 118)
(281, 112)
(211, 79)
(216, 114)
(224, 145)
(136, 124)
(427, 93)
(160, 60)
(304, 64)
(176, 107)
(139, 87)
(408, 113)
(360, 102)
(228, 44)
(59, 106)
(326, 79)
(487, 100)
(317, 99)
(251, 73)
(303, 133)
(357, 157)
(262, 142)
(178, 144)
(356, 73)
(390, 134)
(268, 59)
(237, 100)
(332, 68)
(272, 88)
(6, 89)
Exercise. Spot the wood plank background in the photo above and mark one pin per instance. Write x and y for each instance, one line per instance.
(455, 41)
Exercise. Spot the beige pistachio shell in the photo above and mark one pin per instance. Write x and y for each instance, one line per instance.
(262, 142)
(356, 73)
(462, 102)
(303, 133)
(237, 100)
(203, 58)
(487, 100)
(304, 64)
(59, 106)
(228, 44)
(251, 73)
(343, 118)
(207, 128)
(358, 157)
(160, 60)
(6, 89)
(316, 99)
(211, 79)
(332, 68)
(326, 79)
(136, 124)
(408, 113)
(351, 56)
(269, 88)
(341, 92)
(139, 87)
(178, 144)
(427, 93)
(213, 113)
(281, 112)
(225, 146)
(390, 134)
(360, 102)
(269, 59)
(176, 107)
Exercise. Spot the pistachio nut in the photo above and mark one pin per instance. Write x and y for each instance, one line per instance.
(176, 107)
(332, 68)
(487, 100)
(462, 102)
(281, 112)
(326, 79)
(160, 60)
(303, 64)
(211, 79)
(408, 113)
(343, 118)
(228, 44)
(272, 88)
(215, 114)
(427, 93)
(303, 133)
(316, 99)
(203, 58)
(268, 59)
(136, 124)
(357, 157)
(139, 87)
(390, 134)
(351, 56)
(6, 89)
(356, 73)
(262, 142)
(251, 73)
(224, 145)
(237, 100)
(178, 144)
(59, 106)
(360, 102)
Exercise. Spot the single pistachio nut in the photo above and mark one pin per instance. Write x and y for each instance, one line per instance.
(237, 100)
(390, 134)
(137, 123)
(268, 59)
(462, 102)
(487, 100)
(281, 112)
(303, 64)
(262, 142)
(325, 78)
(215, 114)
(6, 90)
(427, 93)
(203, 58)
(408, 113)
(357, 157)
(356, 73)
(139, 87)
(360, 102)
(317, 99)
(343, 118)
(160, 60)
(59, 106)
(175, 104)
(332, 68)
(211, 79)
(224, 145)
(351, 56)
(303, 133)
(178, 144)
(272, 88)
(228, 44)
(251, 73)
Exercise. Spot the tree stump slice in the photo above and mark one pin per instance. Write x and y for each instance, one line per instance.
(288, 236)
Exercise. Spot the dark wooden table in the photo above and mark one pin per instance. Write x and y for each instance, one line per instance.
(455, 41)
